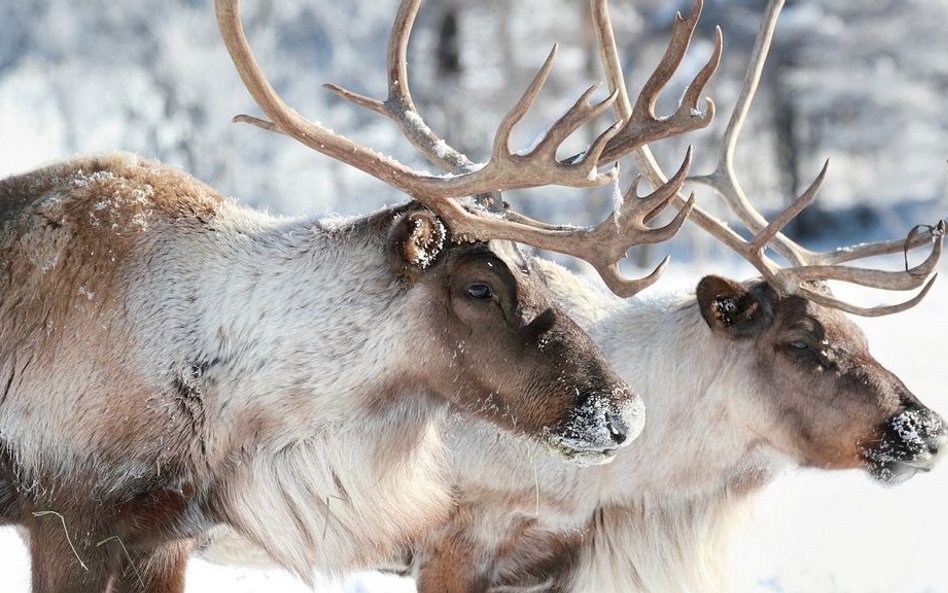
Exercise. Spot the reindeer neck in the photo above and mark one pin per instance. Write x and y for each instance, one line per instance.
(682, 487)
(298, 311)
(655, 546)
(693, 447)
(273, 324)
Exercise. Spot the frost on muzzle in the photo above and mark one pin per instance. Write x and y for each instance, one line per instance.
(910, 442)
(598, 428)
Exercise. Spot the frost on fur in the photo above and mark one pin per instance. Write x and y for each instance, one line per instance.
(426, 243)
(415, 242)
(595, 423)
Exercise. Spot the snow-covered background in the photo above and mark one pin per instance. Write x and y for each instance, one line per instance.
(862, 83)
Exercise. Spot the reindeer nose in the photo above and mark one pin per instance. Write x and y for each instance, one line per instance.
(938, 438)
(922, 434)
(937, 445)
(618, 428)
(595, 430)
(625, 418)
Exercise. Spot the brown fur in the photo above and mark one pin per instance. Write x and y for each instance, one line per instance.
(127, 428)
(536, 557)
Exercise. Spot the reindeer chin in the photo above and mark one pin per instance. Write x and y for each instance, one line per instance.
(585, 457)
(893, 473)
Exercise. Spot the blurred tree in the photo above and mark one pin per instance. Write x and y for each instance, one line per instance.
(862, 83)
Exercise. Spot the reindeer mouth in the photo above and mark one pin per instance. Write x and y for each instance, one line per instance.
(911, 442)
(896, 472)
(584, 457)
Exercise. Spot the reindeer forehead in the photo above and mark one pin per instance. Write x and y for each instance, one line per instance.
(799, 314)
(511, 255)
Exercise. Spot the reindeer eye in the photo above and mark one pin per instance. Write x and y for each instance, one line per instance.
(799, 345)
(479, 291)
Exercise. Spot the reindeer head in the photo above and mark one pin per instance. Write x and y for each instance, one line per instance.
(502, 350)
(821, 396)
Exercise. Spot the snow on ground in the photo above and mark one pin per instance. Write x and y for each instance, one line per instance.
(812, 532)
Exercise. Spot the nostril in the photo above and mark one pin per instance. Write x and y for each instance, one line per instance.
(937, 443)
(618, 429)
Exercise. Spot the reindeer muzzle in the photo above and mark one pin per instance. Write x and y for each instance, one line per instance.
(598, 428)
(912, 441)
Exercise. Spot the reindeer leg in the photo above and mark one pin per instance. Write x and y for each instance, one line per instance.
(451, 566)
(63, 558)
(157, 570)
(130, 547)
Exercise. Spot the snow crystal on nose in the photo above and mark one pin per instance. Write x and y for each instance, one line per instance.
(589, 426)
(909, 435)
(590, 422)
(915, 427)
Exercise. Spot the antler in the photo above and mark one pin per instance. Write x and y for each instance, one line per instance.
(506, 169)
(806, 266)
(641, 127)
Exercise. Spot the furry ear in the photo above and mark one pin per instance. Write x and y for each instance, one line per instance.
(729, 307)
(415, 241)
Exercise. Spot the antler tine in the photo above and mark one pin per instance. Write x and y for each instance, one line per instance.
(642, 125)
(642, 209)
(865, 250)
(879, 311)
(766, 235)
(399, 106)
(581, 111)
(806, 266)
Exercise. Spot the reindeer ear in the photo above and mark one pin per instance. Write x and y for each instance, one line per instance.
(729, 307)
(414, 243)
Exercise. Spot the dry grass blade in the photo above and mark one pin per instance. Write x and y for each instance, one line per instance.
(62, 520)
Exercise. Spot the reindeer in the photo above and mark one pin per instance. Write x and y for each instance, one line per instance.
(171, 361)
(743, 379)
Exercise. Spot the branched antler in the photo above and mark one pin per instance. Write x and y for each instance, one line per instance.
(641, 127)
(505, 170)
(807, 267)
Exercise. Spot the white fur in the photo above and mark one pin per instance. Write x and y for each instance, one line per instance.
(307, 329)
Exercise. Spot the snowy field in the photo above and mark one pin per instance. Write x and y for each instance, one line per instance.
(813, 531)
